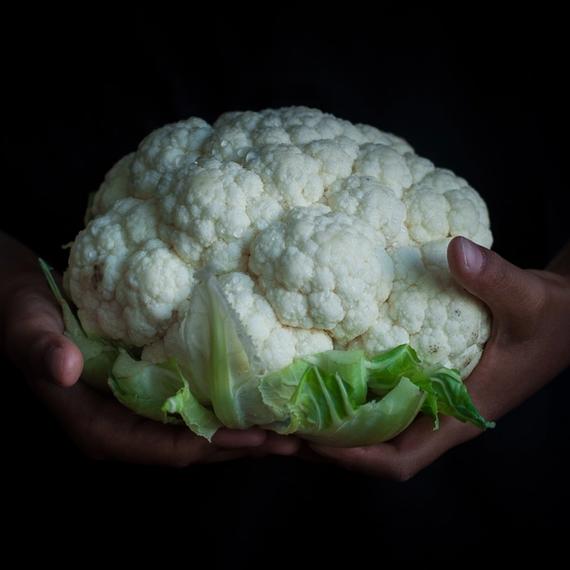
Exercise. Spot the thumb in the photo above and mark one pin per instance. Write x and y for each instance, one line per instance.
(512, 294)
(34, 340)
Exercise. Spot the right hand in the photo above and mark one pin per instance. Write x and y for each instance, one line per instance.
(32, 336)
(528, 347)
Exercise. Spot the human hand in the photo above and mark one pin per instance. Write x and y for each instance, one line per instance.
(529, 345)
(32, 336)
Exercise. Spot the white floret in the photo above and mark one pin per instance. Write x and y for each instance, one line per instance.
(154, 284)
(165, 151)
(399, 144)
(321, 269)
(293, 177)
(126, 283)
(384, 164)
(382, 335)
(117, 185)
(366, 199)
(419, 167)
(335, 157)
(213, 209)
(443, 205)
(277, 345)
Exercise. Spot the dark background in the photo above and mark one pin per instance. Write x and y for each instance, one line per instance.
(489, 103)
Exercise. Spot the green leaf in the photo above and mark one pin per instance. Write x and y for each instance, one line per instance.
(233, 368)
(350, 365)
(387, 368)
(198, 418)
(373, 422)
(98, 355)
(278, 388)
(324, 400)
(193, 352)
(431, 408)
(144, 387)
(321, 401)
(160, 392)
(445, 391)
(453, 398)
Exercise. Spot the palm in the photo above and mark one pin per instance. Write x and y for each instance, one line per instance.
(104, 429)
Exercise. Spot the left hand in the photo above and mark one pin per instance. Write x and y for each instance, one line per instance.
(31, 334)
(103, 429)
(528, 347)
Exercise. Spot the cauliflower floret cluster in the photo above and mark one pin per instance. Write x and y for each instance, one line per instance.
(319, 270)
(427, 310)
(323, 234)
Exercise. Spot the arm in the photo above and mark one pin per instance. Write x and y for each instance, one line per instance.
(31, 335)
(528, 347)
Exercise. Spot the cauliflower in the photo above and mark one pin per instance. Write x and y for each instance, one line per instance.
(308, 234)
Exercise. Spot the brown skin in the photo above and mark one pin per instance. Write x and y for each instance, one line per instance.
(31, 335)
(528, 347)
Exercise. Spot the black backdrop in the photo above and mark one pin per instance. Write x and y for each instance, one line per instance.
(490, 104)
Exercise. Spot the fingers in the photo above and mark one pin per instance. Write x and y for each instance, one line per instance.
(34, 338)
(243, 438)
(282, 444)
(64, 361)
(224, 455)
(259, 441)
(378, 460)
(405, 456)
(104, 429)
(515, 296)
(276, 444)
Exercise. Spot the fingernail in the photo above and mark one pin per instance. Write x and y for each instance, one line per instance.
(52, 359)
(472, 255)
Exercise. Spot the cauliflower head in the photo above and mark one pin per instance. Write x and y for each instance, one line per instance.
(324, 234)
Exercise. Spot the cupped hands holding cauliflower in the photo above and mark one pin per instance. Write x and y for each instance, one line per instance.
(279, 268)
